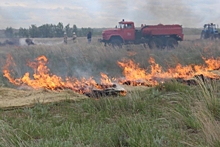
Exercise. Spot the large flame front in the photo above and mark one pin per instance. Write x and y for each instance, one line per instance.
(43, 79)
(133, 75)
(139, 76)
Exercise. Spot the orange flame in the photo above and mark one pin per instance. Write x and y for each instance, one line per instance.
(43, 79)
(105, 79)
(6, 70)
(134, 73)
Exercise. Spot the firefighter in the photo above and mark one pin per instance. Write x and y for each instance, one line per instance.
(29, 41)
(89, 36)
(74, 37)
(65, 38)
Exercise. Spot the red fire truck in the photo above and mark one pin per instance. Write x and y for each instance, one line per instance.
(156, 36)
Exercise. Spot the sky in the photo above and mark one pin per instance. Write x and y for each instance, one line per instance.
(107, 13)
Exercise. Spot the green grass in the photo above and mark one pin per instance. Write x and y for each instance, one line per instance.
(173, 116)
(169, 115)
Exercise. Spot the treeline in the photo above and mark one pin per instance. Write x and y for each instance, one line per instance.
(49, 31)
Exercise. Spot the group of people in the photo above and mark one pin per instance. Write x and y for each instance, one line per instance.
(89, 37)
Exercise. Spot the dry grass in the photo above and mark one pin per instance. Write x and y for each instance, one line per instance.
(206, 109)
(14, 98)
(209, 125)
(191, 37)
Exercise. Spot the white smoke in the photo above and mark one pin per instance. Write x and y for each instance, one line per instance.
(47, 43)
(22, 42)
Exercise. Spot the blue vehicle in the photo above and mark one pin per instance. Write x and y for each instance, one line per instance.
(210, 32)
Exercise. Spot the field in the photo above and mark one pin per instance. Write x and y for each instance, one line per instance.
(171, 113)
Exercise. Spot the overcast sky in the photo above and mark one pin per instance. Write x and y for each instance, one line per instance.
(106, 13)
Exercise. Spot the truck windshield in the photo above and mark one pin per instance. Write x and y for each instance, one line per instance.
(120, 25)
(123, 26)
(212, 28)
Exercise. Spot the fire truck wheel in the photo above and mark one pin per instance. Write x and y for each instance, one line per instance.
(155, 43)
(116, 43)
(171, 43)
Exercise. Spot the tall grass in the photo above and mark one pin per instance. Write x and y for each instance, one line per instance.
(210, 127)
(9, 137)
(207, 110)
(210, 95)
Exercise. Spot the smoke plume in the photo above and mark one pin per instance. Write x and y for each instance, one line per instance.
(172, 11)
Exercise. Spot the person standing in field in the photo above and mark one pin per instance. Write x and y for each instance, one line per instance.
(89, 36)
(74, 37)
(65, 38)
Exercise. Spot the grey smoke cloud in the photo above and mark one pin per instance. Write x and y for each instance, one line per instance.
(173, 11)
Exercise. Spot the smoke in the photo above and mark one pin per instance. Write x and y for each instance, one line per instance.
(173, 11)
(79, 73)
(22, 42)
(86, 72)
(49, 43)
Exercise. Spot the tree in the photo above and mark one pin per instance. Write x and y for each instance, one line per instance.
(59, 30)
(9, 32)
(75, 29)
(68, 30)
(83, 31)
(46, 31)
(33, 31)
(23, 32)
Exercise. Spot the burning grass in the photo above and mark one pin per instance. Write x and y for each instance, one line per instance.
(42, 78)
(133, 75)
(86, 83)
